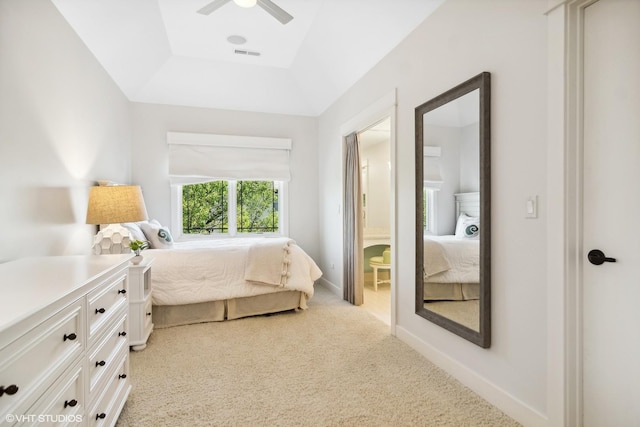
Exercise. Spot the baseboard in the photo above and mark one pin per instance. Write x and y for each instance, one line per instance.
(332, 287)
(495, 395)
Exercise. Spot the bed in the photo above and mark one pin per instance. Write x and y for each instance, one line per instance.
(224, 279)
(451, 262)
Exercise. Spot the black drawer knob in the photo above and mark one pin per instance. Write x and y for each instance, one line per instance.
(101, 416)
(71, 403)
(122, 334)
(100, 363)
(122, 376)
(70, 337)
(149, 314)
(100, 310)
(122, 291)
(10, 390)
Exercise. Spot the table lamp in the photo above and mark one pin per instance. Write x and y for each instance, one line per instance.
(109, 206)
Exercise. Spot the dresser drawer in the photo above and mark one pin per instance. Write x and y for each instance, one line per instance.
(107, 408)
(104, 355)
(148, 318)
(63, 404)
(31, 364)
(104, 302)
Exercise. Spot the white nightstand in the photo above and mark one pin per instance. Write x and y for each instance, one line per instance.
(140, 318)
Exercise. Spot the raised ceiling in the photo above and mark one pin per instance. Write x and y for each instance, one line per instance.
(162, 51)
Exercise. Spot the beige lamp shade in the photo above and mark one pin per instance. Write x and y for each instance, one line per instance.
(116, 204)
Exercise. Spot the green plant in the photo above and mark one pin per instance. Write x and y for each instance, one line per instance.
(138, 245)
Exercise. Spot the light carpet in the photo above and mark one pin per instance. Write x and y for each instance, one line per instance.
(331, 365)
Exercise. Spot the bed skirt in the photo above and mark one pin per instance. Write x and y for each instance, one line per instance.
(451, 291)
(165, 316)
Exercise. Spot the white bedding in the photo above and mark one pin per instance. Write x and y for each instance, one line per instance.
(450, 259)
(200, 271)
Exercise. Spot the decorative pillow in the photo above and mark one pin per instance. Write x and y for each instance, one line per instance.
(159, 237)
(468, 227)
(134, 230)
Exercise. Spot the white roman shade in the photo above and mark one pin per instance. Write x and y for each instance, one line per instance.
(196, 157)
(432, 173)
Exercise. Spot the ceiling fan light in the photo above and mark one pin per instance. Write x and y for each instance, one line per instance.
(245, 3)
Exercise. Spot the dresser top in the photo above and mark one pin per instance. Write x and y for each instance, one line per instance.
(29, 285)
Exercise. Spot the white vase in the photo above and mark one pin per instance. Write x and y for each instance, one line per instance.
(136, 260)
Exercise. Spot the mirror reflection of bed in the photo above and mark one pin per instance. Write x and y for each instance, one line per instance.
(452, 263)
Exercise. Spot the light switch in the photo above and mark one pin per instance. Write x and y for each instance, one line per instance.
(532, 207)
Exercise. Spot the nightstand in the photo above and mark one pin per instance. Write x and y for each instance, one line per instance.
(140, 320)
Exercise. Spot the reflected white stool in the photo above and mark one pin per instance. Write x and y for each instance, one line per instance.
(376, 262)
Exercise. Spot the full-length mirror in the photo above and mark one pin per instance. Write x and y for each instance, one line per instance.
(453, 207)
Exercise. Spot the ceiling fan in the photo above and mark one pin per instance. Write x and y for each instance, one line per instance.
(270, 7)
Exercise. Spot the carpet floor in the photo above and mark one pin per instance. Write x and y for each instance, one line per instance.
(331, 365)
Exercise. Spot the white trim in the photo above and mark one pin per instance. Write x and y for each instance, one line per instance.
(176, 212)
(237, 141)
(555, 4)
(232, 196)
(376, 112)
(557, 322)
(430, 195)
(564, 189)
(283, 208)
(495, 395)
(432, 151)
(384, 107)
(574, 140)
(335, 289)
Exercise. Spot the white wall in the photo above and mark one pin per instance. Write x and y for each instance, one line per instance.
(461, 39)
(150, 157)
(448, 138)
(63, 125)
(469, 155)
(379, 192)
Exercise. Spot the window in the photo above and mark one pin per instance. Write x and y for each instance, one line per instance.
(429, 210)
(228, 185)
(229, 207)
(257, 207)
(205, 208)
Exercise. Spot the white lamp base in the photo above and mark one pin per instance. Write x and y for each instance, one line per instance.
(113, 239)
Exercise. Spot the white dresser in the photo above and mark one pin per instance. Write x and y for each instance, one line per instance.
(64, 350)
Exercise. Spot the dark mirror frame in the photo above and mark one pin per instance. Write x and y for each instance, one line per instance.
(483, 82)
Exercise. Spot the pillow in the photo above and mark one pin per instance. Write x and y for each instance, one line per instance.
(468, 227)
(134, 230)
(159, 237)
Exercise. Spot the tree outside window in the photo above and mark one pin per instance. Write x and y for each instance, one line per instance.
(208, 207)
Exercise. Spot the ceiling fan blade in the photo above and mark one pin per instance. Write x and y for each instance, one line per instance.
(275, 11)
(209, 8)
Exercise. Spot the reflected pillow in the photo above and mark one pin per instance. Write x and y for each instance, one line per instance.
(159, 237)
(468, 227)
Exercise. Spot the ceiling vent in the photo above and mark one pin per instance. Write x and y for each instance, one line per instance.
(246, 52)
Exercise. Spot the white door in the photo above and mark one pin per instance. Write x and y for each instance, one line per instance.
(611, 291)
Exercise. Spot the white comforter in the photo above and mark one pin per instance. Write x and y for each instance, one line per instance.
(211, 270)
(450, 259)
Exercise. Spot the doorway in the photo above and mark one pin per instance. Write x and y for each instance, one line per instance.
(602, 103)
(385, 107)
(375, 158)
(611, 144)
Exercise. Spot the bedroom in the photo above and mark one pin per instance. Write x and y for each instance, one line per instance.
(55, 139)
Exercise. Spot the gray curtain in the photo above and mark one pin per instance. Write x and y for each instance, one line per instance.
(353, 280)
